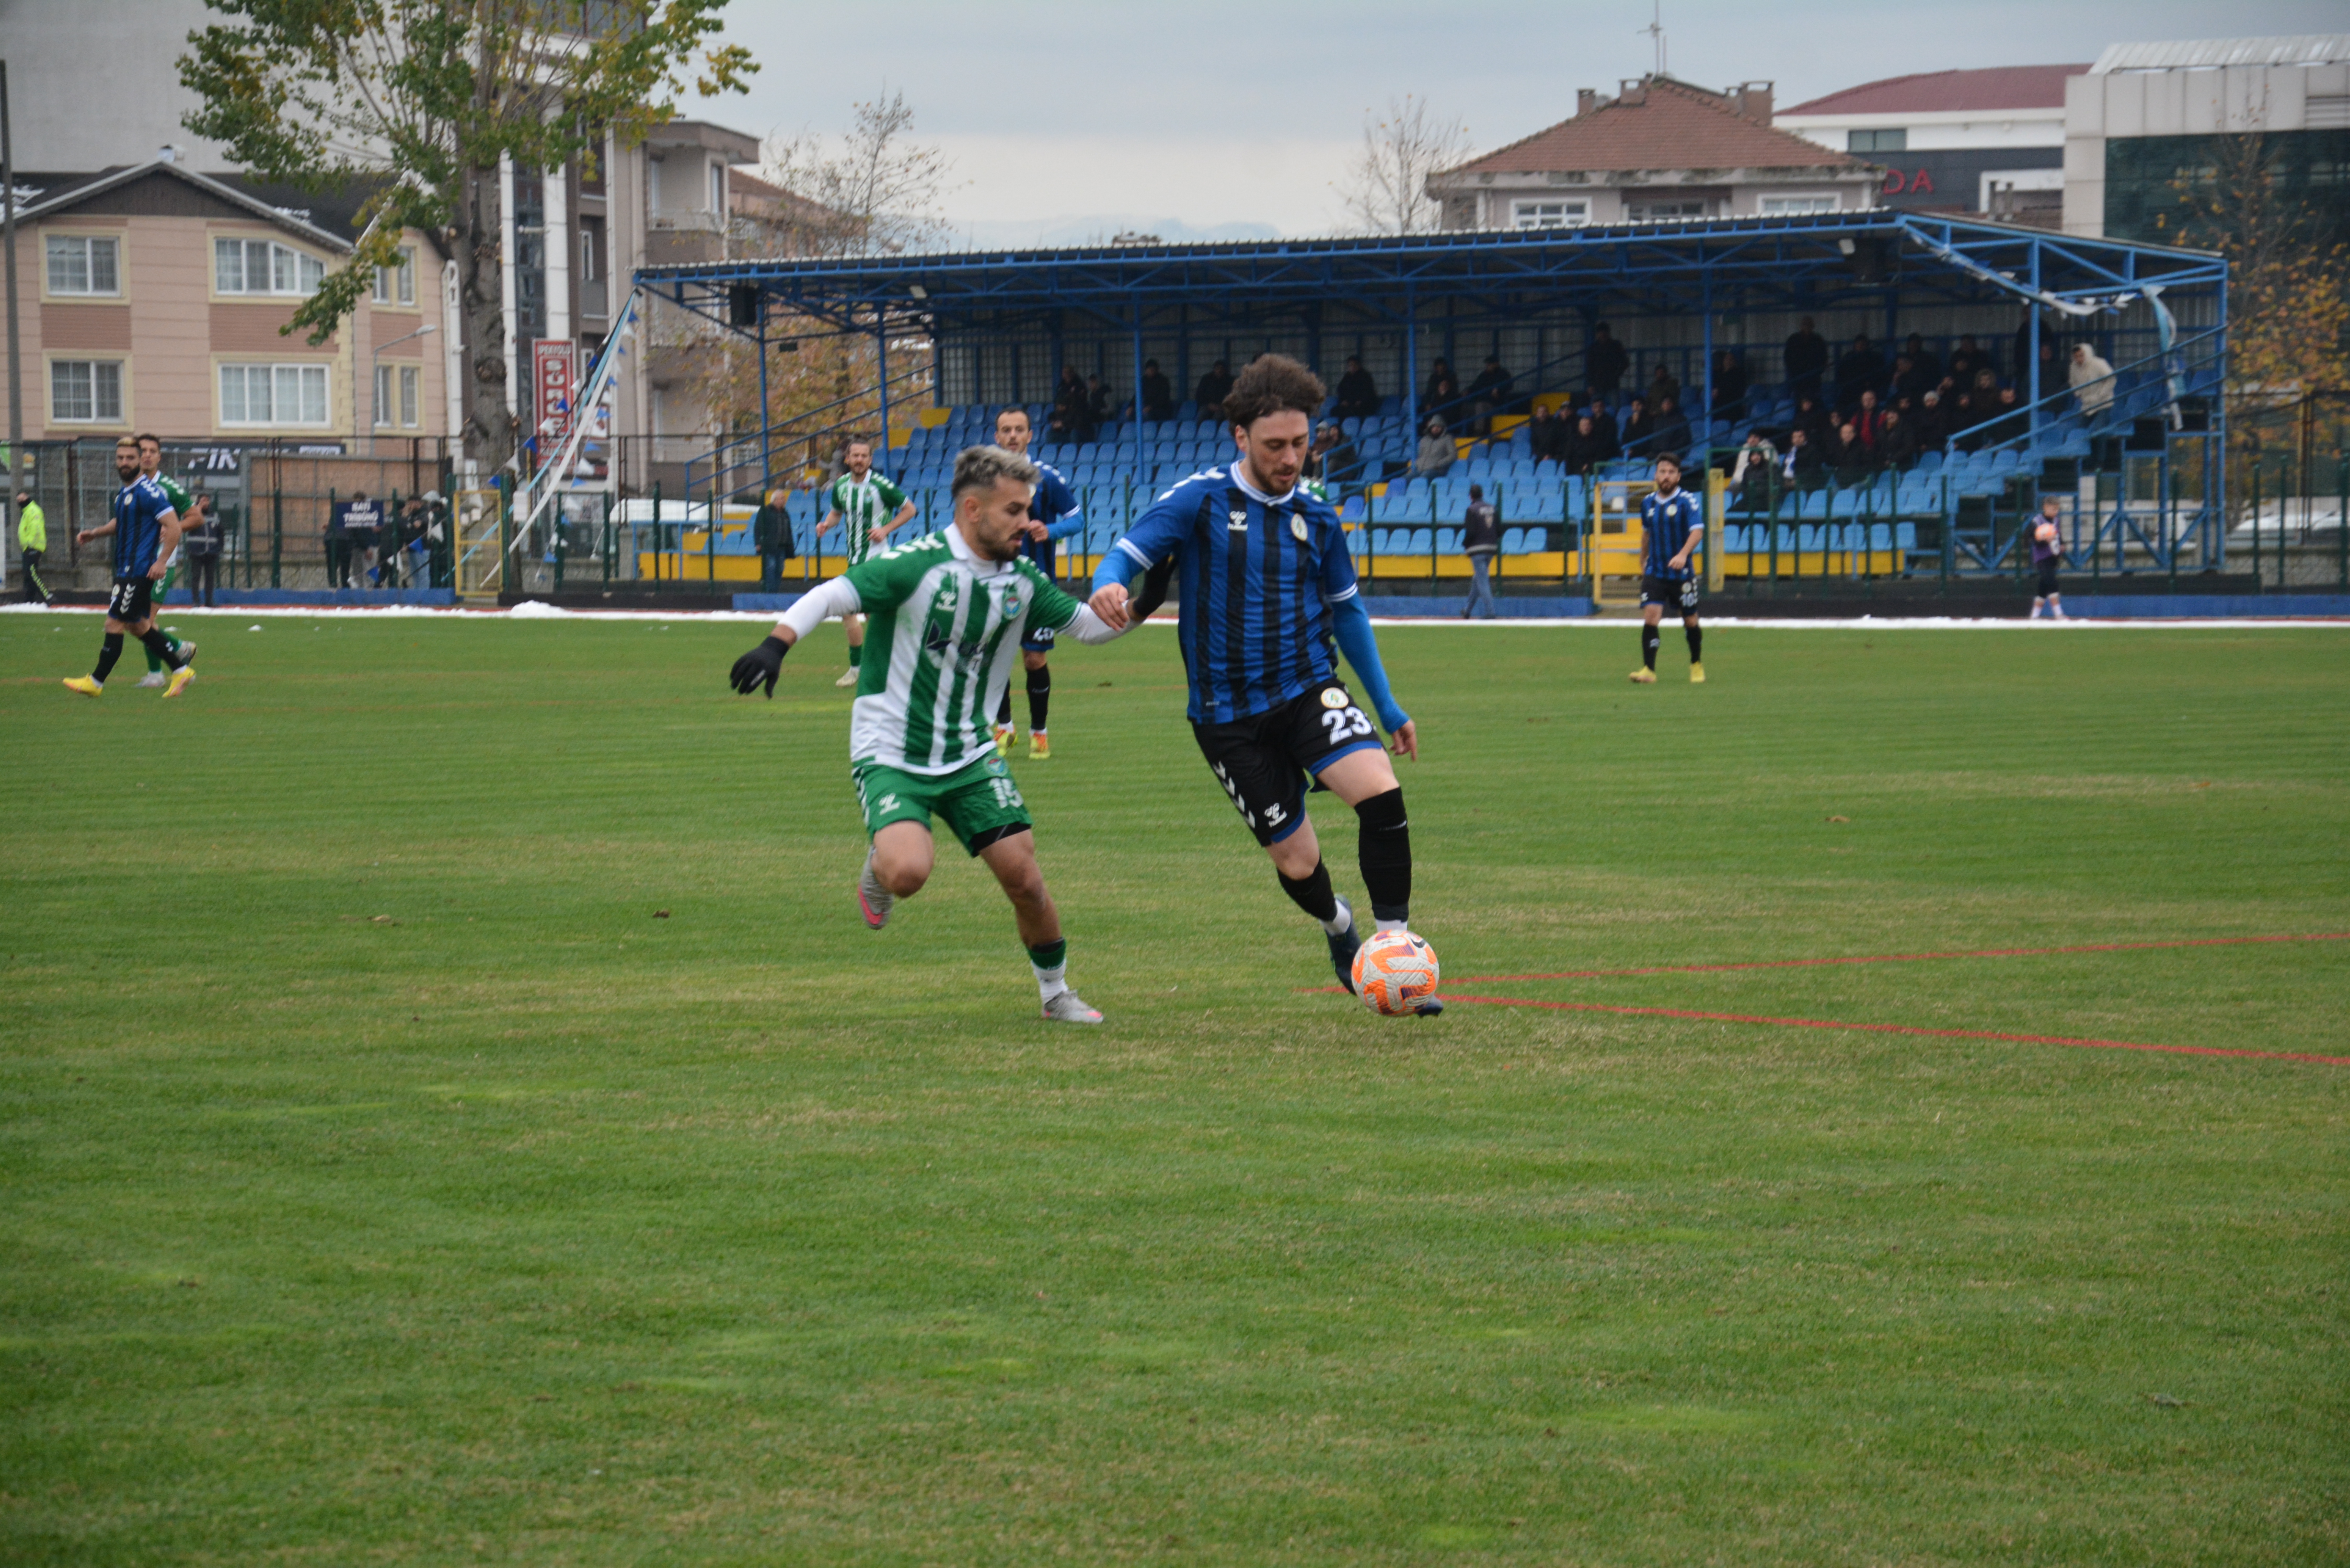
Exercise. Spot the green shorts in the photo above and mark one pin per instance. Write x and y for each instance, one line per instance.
(979, 801)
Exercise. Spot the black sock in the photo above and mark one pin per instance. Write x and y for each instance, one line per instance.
(1040, 697)
(1695, 642)
(1312, 893)
(1650, 637)
(1003, 709)
(159, 646)
(109, 648)
(1385, 848)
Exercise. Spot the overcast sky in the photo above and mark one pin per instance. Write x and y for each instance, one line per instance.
(1214, 112)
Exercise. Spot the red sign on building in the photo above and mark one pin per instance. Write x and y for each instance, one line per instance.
(553, 378)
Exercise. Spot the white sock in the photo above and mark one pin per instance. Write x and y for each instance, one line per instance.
(1387, 926)
(1341, 924)
(1051, 982)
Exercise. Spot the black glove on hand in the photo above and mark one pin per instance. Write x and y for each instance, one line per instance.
(759, 668)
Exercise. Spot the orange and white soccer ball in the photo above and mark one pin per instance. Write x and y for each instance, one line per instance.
(1395, 971)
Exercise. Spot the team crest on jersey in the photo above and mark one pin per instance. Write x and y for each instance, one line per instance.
(1332, 697)
(1297, 526)
(1238, 524)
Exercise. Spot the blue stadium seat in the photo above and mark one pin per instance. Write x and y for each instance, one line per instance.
(1513, 542)
(1843, 504)
(1419, 544)
(1809, 538)
(1733, 538)
(1905, 536)
(1880, 536)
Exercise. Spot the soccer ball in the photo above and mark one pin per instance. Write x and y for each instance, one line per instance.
(1394, 971)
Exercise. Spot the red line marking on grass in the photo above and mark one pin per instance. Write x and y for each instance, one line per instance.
(2086, 1043)
(1905, 958)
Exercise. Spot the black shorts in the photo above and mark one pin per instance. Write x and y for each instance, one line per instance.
(1263, 761)
(1036, 639)
(133, 600)
(2048, 576)
(1678, 597)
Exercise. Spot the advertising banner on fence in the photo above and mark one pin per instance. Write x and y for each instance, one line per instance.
(554, 376)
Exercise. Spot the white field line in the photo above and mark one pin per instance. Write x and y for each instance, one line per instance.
(542, 612)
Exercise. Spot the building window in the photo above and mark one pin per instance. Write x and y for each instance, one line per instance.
(1648, 212)
(1894, 140)
(1798, 206)
(257, 267)
(718, 187)
(86, 392)
(291, 395)
(1549, 214)
(79, 263)
(395, 283)
(395, 397)
(652, 184)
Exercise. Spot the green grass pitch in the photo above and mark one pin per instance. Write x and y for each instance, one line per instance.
(384, 1181)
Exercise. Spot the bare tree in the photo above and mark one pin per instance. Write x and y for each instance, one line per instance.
(1385, 189)
(874, 192)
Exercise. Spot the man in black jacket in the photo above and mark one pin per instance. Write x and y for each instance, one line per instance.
(1807, 360)
(1213, 388)
(1860, 369)
(1489, 392)
(1604, 361)
(771, 536)
(1358, 395)
(1157, 395)
(1481, 541)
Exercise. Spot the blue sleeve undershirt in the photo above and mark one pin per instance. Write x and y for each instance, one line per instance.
(1350, 623)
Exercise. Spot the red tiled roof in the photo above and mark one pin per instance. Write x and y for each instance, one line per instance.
(1678, 127)
(1950, 92)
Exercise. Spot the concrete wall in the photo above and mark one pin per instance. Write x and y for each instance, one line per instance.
(2224, 100)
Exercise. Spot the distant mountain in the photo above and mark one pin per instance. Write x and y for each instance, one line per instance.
(1100, 229)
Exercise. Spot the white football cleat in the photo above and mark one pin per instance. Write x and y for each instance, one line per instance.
(1070, 1008)
(154, 678)
(848, 677)
(873, 900)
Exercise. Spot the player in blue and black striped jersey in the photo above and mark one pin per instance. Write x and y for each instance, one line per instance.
(146, 530)
(1053, 516)
(1672, 522)
(1266, 584)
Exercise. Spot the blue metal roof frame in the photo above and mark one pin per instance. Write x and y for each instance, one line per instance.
(1718, 264)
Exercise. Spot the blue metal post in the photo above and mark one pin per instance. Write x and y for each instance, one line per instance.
(766, 418)
(2034, 307)
(1705, 300)
(881, 362)
(1410, 373)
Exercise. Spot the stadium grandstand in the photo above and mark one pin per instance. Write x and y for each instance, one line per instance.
(1704, 308)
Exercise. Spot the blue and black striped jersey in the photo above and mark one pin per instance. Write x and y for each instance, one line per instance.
(1664, 525)
(139, 509)
(1259, 574)
(1053, 502)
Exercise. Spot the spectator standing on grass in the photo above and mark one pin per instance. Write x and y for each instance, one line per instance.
(1158, 393)
(1437, 451)
(1605, 361)
(2092, 380)
(32, 543)
(2047, 557)
(1358, 395)
(361, 518)
(1807, 360)
(771, 536)
(1481, 541)
(202, 541)
(1212, 389)
(338, 548)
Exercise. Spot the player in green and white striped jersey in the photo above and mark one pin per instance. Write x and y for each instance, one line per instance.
(151, 463)
(857, 500)
(948, 612)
